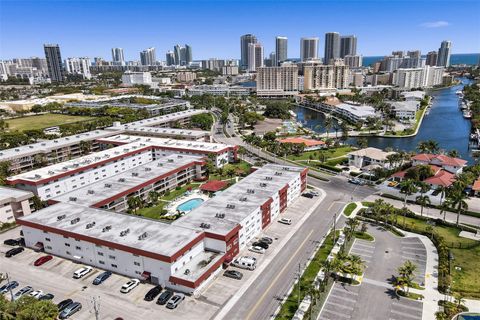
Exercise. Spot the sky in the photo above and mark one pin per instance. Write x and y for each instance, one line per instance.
(213, 28)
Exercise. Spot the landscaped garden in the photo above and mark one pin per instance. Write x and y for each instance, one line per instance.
(43, 121)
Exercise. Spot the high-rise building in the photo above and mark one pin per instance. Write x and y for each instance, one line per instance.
(354, 61)
(326, 77)
(432, 57)
(78, 66)
(277, 81)
(188, 54)
(281, 49)
(117, 56)
(170, 58)
(332, 46)
(348, 46)
(148, 57)
(54, 62)
(443, 59)
(183, 55)
(245, 41)
(255, 56)
(177, 51)
(308, 49)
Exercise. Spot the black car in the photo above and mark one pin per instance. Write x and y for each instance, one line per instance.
(233, 274)
(9, 286)
(260, 244)
(64, 304)
(14, 242)
(47, 296)
(152, 293)
(102, 277)
(14, 251)
(307, 195)
(164, 297)
(267, 240)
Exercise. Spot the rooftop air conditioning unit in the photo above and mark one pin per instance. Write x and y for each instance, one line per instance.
(72, 199)
(61, 217)
(107, 228)
(90, 225)
(73, 221)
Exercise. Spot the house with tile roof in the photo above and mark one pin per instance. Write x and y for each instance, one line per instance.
(450, 164)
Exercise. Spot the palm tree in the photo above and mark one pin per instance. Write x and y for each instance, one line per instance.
(153, 197)
(444, 207)
(443, 191)
(457, 201)
(328, 123)
(453, 153)
(352, 224)
(459, 301)
(422, 201)
(407, 187)
(407, 273)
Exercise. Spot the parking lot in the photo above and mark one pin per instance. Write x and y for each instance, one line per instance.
(375, 297)
(55, 277)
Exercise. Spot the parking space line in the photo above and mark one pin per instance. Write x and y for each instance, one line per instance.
(365, 244)
(405, 315)
(339, 305)
(343, 298)
(364, 250)
(418, 308)
(347, 292)
(341, 315)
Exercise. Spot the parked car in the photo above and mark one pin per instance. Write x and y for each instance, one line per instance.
(70, 310)
(315, 193)
(175, 300)
(36, 294)
(307, 195)
(354, 181)
(47, 296)
(42, 260)
(130, 285)
(22, 292)
(233, 274)
(266, 239)
(257, 249)
(245, 263)
(80, 273)
(152, 293)
(64, 304)
(9, 286)
(164, 297)
(285, 221)
(14, 242)
(102, 277)
(13, 252)
(260, 244)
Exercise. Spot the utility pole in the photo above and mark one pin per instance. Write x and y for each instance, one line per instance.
(11, 292)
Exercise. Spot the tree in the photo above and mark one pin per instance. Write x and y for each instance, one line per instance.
(38, 203)
(429, 146)
(457, 202)
(153, 197)
(453, 153)
(362, 143)
(328, 123)
(27, 308)
(352, 224)
(407, 187)
(422, 200)
(407, 274)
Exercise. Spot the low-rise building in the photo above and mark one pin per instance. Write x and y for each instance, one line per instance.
(405, 110)
(354, 113)
(13, 203)
(369, 156)
(131, 78)
(450, 164)
(310, 144)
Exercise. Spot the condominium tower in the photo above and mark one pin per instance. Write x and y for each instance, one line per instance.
(245, 40)
(281, 47)
(54, 62)
(348, 46)
(255, 56)
(332, 46)
(117, 56)
(277, 81)
(443, 59)
(308, 49)
(148, 57)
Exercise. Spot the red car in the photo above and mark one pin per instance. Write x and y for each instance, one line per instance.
(42, 260)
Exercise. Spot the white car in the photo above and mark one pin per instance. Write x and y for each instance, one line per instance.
(130, 285)
(257, 249)
(285, 221)
(36, 294)
(80, 273)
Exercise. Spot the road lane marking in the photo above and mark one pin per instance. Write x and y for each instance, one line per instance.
(249, 315)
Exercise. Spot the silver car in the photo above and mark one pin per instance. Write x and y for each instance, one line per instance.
(175, 300)
(22, 292)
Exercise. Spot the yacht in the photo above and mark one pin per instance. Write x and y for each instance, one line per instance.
(467, 114)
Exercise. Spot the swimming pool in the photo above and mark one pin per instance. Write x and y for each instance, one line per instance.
(190, 204)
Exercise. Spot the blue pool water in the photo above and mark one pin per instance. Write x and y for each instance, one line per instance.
(190, 205)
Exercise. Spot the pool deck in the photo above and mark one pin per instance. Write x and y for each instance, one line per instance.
(196, 194)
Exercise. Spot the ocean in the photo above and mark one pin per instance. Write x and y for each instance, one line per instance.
(458, 58)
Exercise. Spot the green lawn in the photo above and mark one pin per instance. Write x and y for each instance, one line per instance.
(154, 212)
(176, 193)
(349, 209)
(364, 236)
(43, 121)
(329, 153)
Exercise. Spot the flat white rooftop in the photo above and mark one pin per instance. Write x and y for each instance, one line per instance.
(230, 207)
(63, 168)
(359, 111)
(48, 145)
(155, 121)
(167, 131)
(122, 229)
(11, 194)
(168, 143)
(125, 181)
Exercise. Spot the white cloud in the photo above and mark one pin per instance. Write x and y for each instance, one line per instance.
(435, 24)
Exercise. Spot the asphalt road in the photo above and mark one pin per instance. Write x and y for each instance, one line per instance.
(262, 299)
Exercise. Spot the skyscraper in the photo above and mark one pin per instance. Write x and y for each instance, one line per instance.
(117, 56)
(54, 62)
(348, 46)
(148, 57)
(255, 56)
(79, 66)
(443, 59)
(332, 46)
(245, 40)
(170, 58)
(308, 48)
(188, 54)
(432, 57)
(281, 48)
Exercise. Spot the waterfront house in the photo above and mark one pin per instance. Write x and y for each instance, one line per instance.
(310, 144)
(354, 113)
(405, 110)
(369, 156)
(413, 95)
(440, 177)
(450, 164)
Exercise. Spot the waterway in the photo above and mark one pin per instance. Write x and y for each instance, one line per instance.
(444, 124)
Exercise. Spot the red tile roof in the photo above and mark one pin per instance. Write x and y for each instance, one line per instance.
(213, 186)
(441, 158)
(476, 185)
(307, 142)
(442, 178)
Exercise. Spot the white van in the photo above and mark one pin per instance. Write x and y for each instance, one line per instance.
(285, 221)
(245, 263)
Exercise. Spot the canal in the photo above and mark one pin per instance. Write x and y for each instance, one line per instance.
(444, 124)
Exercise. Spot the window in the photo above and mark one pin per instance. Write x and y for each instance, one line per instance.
(67, 244)
(100, 253)
(78, 248)
(111, 257)
(47, 239)
(101, 262)
(114, 266)
(138, 272)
